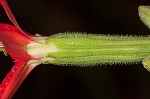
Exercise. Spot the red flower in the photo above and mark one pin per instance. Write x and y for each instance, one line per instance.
(26, 52)
(14, 41)
(14, 44)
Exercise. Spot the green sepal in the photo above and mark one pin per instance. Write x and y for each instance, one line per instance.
(146, 63)
(144, 14)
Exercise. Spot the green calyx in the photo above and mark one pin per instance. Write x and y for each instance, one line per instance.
(83, 49)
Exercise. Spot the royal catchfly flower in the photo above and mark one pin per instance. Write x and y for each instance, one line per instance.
(28, 51)
(15, 41)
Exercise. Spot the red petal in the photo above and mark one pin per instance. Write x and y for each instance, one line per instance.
(2, 1)
(9, 13)
(11, 16)
(14, 79)
(8, 27)
(14, 42)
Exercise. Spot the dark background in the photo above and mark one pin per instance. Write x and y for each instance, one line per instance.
(48, 17)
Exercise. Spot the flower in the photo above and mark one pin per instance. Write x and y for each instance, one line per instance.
(26, 52)
(15, 45)
(15, 42)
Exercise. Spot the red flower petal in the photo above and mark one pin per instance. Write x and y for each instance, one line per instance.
(14, 79)
(9, 13)
(14, 42)
(8, 27)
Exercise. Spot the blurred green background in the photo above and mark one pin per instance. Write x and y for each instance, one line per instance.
(47, 17)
